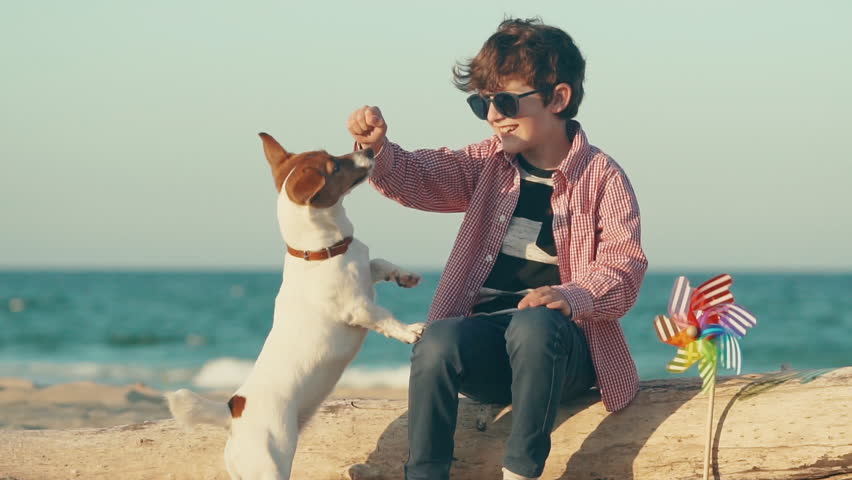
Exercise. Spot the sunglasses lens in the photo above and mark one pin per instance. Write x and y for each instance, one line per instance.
(506, 104)
(479, 106)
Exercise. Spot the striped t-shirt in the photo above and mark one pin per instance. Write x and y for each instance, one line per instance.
(527, 258)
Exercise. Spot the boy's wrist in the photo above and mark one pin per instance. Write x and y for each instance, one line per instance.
(579, 299)
(377, 146)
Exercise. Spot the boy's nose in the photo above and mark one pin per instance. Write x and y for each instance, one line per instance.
(493, 114)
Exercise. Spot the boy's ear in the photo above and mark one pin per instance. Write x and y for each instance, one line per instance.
(276, 156)
(561, 98)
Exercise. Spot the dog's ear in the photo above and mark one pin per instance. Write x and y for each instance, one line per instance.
(277, 157)
(304, 184)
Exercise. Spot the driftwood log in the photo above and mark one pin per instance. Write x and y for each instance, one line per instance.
(784, 425)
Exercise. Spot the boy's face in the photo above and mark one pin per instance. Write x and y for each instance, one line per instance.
(533, 126)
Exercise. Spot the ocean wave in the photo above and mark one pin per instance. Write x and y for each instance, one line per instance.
(21, 304)
(367, 377)
(51, 373)
(224, 373)
(229, 372)
(143, 339)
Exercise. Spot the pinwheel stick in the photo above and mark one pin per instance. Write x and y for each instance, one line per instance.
(704, 323)
(708, 442)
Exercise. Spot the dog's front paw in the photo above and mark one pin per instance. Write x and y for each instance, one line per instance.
(404, 278)
(416, 329)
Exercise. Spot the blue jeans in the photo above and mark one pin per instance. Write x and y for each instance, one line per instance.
(533, 359)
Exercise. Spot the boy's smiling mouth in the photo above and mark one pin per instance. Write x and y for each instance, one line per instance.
(506, 129)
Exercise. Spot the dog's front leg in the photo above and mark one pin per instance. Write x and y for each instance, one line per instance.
(385, 271)
(373, 317)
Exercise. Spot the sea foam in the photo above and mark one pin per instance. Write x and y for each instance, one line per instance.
(229, 372)
(223, 373)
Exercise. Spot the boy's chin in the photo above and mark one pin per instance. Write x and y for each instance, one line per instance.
(512, 145)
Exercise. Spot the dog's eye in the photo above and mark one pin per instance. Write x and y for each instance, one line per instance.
(336, 167)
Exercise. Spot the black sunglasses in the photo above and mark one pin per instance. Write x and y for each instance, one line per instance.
(506, 103)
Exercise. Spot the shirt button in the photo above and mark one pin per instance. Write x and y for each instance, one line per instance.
(471, 293)
(502, 218)
(488, 258)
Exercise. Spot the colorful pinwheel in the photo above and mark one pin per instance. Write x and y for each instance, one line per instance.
(705, 324)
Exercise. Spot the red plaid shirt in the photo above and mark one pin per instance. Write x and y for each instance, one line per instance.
(595, 227)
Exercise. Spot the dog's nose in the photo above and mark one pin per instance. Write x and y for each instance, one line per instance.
(369, 153)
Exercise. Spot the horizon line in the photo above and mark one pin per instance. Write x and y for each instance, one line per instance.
(422, 269)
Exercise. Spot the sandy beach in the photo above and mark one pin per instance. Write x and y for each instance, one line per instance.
(63, 408)
(26, 406)
(97, 431)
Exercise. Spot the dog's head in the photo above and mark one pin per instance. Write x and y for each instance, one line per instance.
(315, 179)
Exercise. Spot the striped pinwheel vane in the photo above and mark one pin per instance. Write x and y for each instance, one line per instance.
(705, 324)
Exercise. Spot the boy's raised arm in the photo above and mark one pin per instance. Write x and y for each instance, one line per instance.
(439, 180)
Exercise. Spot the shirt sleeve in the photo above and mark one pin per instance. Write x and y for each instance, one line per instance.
(612, 283)
(441, 180)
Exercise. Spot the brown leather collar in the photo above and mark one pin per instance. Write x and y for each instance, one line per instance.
(338, 248)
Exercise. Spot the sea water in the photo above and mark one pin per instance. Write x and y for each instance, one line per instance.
(204, 329)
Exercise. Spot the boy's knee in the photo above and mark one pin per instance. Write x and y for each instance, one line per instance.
(438, 343)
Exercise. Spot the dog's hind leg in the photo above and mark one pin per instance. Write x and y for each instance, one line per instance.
(282, 447)
(263, 454)
(373, 317)
(385, 271)
(230, 463)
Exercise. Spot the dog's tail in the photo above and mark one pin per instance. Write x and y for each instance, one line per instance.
(190, 409)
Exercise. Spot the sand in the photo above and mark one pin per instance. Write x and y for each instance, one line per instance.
(770, 426)
(59, 409)
(25, 406)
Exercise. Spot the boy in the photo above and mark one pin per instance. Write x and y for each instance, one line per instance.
(548, 257)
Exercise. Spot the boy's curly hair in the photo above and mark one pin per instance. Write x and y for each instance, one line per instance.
(529, 50)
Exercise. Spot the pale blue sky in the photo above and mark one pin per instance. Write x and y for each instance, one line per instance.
(128, 129)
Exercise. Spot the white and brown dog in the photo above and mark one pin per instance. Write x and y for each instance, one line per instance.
(322, 313)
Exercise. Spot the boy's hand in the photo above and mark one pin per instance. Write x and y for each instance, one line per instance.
(548, 297)
(368, 127)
